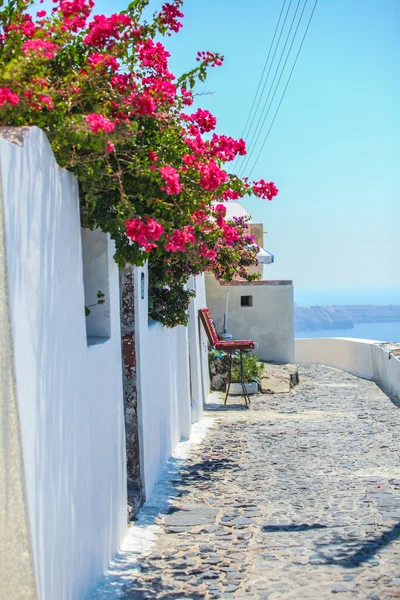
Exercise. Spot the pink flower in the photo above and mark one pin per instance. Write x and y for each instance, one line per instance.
(153, 156)
(123, 82)
(6, 95)
(206, 252)
(104, 31)
(104, 60)
(199, 217)
(204, 119)
(47, 101)
(41, 81)
(197, 145)
(265, 190)
(231, 195)
(99, 123)
(41, 13)
(144, 233)
(226, 148)
(163, 91)
(41, 48)
(190, 160)
(211, 176)
(71, 7)
(193, 130)
(154, 56)
(230, 234)
(110, 147)
(220, 209)
(170, 14)
(210, 58)
(142, 104)
(241, 147)
(29, 29)
(25, 26)
(187, 97)
(172, 181)
(179, 239)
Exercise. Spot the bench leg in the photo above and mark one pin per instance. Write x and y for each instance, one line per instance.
(245, 394)
(229, 376)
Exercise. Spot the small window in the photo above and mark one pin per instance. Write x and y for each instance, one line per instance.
(246, 300)
(96, 286)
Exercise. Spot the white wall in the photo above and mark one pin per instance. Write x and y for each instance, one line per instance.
(164, 387)
(198, 350)
(364, 358)
(17, 570)
(201, 302)
(269, 321)
(69, 394)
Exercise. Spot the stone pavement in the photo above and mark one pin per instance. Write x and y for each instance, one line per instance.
(297, 497)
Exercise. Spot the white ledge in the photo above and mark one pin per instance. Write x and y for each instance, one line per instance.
(370, 359)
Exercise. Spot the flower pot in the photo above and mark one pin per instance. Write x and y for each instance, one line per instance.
(237, 390)
(225, 337)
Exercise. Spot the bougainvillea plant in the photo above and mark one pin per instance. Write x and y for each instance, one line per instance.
(150, 168)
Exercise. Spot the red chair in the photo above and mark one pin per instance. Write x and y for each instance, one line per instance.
(228, 346)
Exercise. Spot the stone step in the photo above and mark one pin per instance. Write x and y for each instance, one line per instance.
(278, 379)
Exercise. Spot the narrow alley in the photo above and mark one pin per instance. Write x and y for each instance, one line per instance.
(297, 497)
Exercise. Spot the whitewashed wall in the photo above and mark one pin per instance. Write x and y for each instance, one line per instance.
(69, 394)
(198, 349)
(364, 358)
(168, 400)
(269, 321)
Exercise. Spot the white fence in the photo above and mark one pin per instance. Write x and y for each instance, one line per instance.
(364, 358)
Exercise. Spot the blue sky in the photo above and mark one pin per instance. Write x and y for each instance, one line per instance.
(334, 151)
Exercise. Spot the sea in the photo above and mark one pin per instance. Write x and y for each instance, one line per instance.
(384, 332)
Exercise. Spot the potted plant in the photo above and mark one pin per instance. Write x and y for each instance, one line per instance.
(252, 369)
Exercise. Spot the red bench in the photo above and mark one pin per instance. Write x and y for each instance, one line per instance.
(228, 346)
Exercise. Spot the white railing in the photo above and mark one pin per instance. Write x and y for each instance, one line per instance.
(365, 358)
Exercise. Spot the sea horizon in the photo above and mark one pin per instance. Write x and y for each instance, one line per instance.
(382, 332)
(346, 296)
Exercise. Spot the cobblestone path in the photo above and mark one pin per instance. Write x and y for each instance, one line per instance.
(298, 497)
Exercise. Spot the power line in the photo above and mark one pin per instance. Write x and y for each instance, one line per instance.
(286, 86)
(269, 70)
(258, 129)
(270, 67)
(264, 69)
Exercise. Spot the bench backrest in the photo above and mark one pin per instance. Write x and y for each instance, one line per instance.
(209, 326)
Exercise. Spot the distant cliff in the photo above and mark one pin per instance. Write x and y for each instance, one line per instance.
(310, 318)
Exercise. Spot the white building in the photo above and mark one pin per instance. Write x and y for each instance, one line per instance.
(262, 310)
